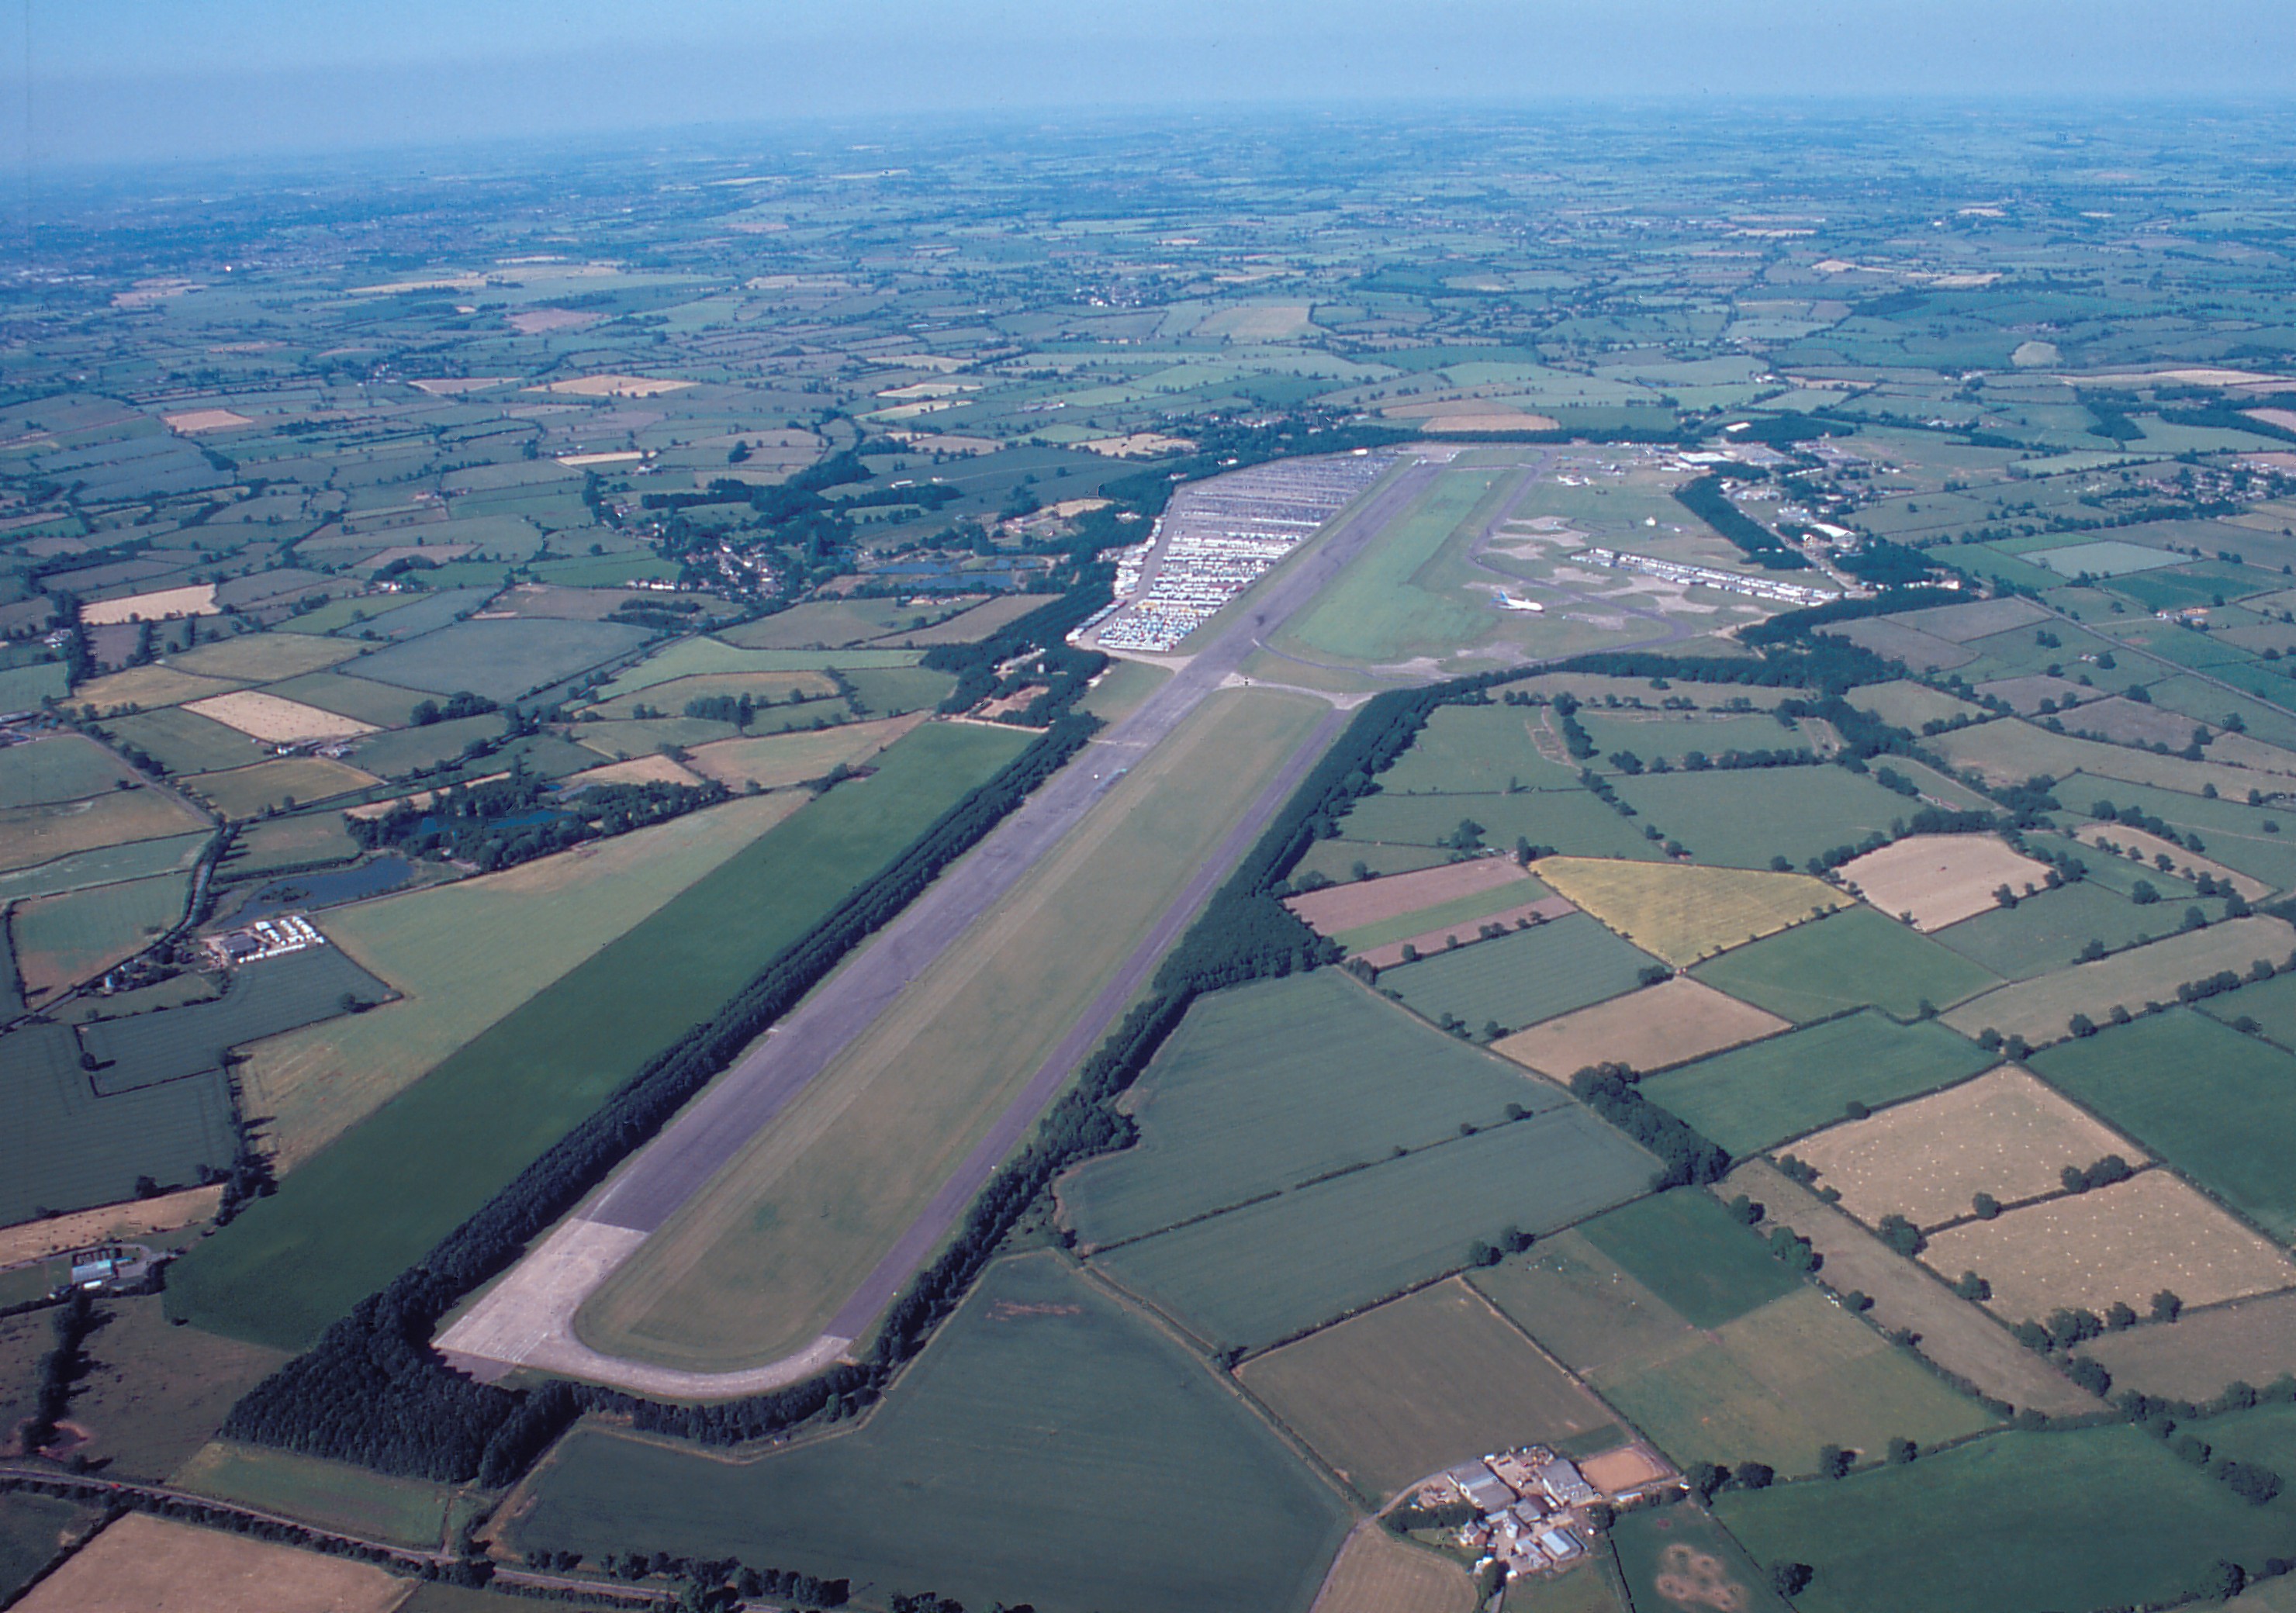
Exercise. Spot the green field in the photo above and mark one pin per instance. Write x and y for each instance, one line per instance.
(185, 742)
(296, 842)
(1522, 978)
(1477, 749)
(2219, 1106)
(1269, 1086)
(890, 690)
(409, 751)
(385, 705)
(2047, 932)
(106, 865)
(1779, 1383)
(1685, 1248)
(2270, 1003)
(1336, 859)
(63, 939)
(64, 1148)
(247, 792)
(2232, 833)
(1571, 820)
(1743, 819)
(690, 657)
(1751, 1098)
(1435, 1378)
(1273, 1270)
(61, 767)
(1685, 1545)
(1851, 959)
(32, 1530)
(295, 1261)
(1379, 609)
(2007, 1524)
(500, 659)
(1051, 1445)
(333, 1494)
(264, 998)
(32, 835)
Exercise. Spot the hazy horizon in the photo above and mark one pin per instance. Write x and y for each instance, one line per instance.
(108, 82)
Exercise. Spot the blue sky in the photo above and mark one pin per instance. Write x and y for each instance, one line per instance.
(150, 80)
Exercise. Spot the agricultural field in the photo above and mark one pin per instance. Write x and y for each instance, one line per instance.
(70, 1148)
(1273, 1270)
(1376, 1573)
(141, 1562)
(1273, 1086)
(1931, 881)
(500, 659)
(1855, 958)
(2049, 931)
(2250, 1341)
(36, 834)
(1747, 819)
(404, 1511)
(33, 1528)
(2004, 1525)
(1436, 1377)
(1410, 903)
(1954, 1332)
(1572, 821)
(2118, 1244)
(1673, 1022)
(294, 1261)
(2041, 1009)
(76, 934)
(1682, 1247)
(2218, 1106)
(1151, 1487)
(1684, 913)
(1521, 977)
(1755, 1097)
(2004, 1133)
(1676, 1560)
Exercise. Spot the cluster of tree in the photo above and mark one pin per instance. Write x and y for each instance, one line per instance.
(1705, 499)
(1684, 1156)
(60, 1367)
(460, 704)
(1902, 1235)
(1041, 635)
(736, 709)
(2105, 1173)
(1576, 739)
(1707, 1479)
(372, 1392)
(1886, 565)
(1445, 1515)
(501, 822)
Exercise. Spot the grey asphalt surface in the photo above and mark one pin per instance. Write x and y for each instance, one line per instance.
(661, 1177)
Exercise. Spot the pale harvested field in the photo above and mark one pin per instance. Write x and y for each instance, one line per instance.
(782, 759)
(1954, 1334)
(1341, 907)
(1670, 1023)
(1468, 930)
(454, 386)
(2249, 1341)
(1138, 445)
(190, 422)
(637, 770)
(1437, 424)
(1940, 878)
(613, 386)
(465, 954)
(1376, 1573)
(38, 1240)
(2119, 839)
(538, 322)
(1682, 912)
(2128, 1242)
(2007, 1133)
(275, 720)
(2038, 1009)
(142, 1564)
(197, 600)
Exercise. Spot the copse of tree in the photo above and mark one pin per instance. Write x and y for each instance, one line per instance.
(1684, 1156)
(463, 703)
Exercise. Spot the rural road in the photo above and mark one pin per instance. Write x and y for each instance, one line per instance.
(526, 1319)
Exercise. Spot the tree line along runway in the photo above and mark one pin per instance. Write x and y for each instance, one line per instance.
(529, 1317)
